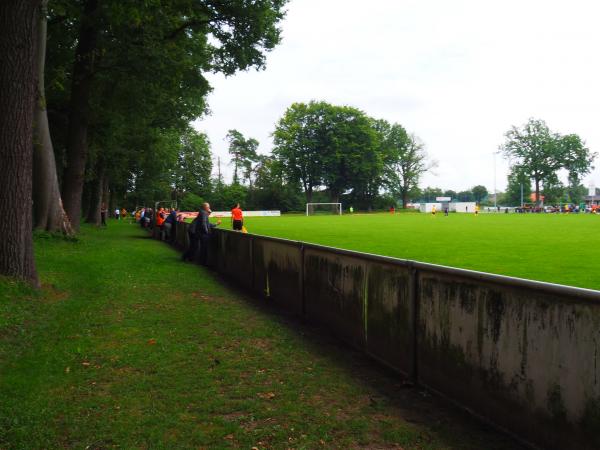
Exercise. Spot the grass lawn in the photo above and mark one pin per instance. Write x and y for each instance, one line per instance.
(559, 249)
(127, 347)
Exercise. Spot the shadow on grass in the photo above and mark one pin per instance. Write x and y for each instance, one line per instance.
(389, 389)
(413, 403)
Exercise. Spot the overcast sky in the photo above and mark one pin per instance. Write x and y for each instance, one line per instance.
(456, 73)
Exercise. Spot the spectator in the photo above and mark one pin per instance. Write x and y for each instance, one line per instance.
(148, 218)
(103, 214)
(160, 220)
(170, 226)
(117, 213)
(205, 232)
(237, 218)
(194, 237)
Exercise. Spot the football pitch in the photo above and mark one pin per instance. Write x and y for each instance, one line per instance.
(557, 248)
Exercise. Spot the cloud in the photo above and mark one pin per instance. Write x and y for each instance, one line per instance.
(458, 74)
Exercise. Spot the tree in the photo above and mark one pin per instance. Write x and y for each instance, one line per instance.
(124, 39)
(450, 193)
(297, 147)
(272, 191)
(405, 161)
(429, 194)
(18, 28)
(466, 196)
(517, 181)
(243, 154)
(321, 144)
(351, 158)
(479, 193)
(194, 168)
(539, 154)
(48, 211)
(578, 162)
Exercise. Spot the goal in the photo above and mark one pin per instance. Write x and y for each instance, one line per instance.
(313, 209)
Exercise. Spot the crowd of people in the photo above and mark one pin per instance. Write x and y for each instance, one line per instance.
(163, 222)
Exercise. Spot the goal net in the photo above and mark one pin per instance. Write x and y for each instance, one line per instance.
(313, 209)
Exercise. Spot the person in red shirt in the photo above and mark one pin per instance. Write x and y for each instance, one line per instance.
(237, 218)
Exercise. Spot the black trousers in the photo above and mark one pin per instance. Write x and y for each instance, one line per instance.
(103, 218)
(190, 253)
(237, 225)
(204, 248)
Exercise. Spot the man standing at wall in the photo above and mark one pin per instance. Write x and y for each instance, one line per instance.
(205, 229)
(237, 218)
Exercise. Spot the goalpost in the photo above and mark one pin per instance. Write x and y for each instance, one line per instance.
(323, 208)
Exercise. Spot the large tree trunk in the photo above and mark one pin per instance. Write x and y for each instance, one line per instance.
(77, 144)
(18, 23)
(48, 212)
(309, 195)
(97, 191)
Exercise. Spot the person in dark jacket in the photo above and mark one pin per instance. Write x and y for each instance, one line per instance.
(205, 232)
(169, 226)
(199, 234)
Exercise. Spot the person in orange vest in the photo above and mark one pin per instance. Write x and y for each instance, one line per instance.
(160, 217)
(237, 218)
(160, 220)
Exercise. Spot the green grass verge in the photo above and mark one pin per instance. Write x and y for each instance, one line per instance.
(127, 347)
(555, 248)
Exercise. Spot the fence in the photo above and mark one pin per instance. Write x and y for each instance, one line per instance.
(519, 353)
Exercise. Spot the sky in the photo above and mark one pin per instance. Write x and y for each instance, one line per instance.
(458, 74)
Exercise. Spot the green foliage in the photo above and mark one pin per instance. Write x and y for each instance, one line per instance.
(349, 154)
(190, 202)
(539, 153)
(516, 179)
(479, 193)
(227, 196)
(243, 154)
(148, 83)
(405, 160)
(429, 194)
(194, 166)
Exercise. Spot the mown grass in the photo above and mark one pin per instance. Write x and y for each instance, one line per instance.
(127, 347)
(557, 248)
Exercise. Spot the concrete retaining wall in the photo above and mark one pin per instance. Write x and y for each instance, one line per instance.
(521, 354)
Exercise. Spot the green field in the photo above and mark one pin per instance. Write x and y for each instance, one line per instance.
(127, 347)
(560, 249)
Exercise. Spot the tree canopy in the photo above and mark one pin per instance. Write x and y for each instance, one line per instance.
(538, 153)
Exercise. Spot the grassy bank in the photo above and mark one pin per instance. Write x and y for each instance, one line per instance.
(557, 248)
(127, 347)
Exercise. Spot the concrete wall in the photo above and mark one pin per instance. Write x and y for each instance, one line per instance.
(522, 354)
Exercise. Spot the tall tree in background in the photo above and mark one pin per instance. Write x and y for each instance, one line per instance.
(48, 211)
(18, 37)
(539, 153)
(194, 166)
(81, 87)
(243, 154)
(335, 146)
(298, 146)
(351, 157)
(479, 193)
(405, 161)
(517, 183)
